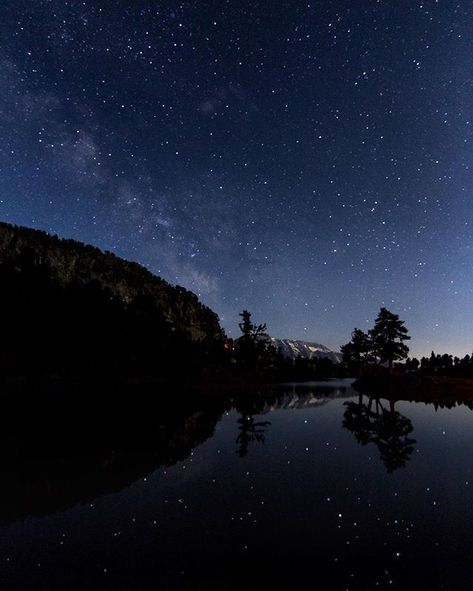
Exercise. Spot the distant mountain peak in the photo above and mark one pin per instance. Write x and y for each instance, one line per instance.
(293, 348)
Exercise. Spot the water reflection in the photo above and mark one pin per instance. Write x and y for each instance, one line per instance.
(294, 396)
(305, 503)
(57, 454)
(250, 431)
(388, 429)
(283, 397)
(61, 447)
(54, 455)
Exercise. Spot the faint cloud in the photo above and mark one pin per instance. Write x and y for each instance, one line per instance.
(208, 106)
(141, 204)
(79, 155)
(230, 94)
(71, 149)
(84, 149)
(199, 281)
(156, 226)
(36, 105)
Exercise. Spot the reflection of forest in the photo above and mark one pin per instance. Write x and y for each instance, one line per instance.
(54, 458)
(66, 445)
(71, 445)
(388, 429)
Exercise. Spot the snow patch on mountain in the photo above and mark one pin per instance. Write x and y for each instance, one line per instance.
(293, 348)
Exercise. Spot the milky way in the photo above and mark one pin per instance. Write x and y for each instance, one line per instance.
(309, 162)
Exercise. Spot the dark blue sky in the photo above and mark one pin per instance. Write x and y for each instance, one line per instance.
(308, 161)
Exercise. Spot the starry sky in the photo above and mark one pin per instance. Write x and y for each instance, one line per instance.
(308, 161)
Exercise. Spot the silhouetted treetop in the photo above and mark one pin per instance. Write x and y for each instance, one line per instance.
(249, 330)
(388, 336)
(358, 350)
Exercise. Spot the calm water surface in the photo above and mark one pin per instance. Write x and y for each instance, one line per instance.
(314, 488)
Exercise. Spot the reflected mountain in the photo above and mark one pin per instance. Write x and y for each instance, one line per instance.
(388, 429)
(294, 396)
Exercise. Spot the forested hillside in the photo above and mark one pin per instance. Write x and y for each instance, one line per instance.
(69, 307)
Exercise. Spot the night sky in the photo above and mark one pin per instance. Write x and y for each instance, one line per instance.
(310, 162)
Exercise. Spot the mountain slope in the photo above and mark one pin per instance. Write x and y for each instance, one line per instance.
(68, 308)
(293, 348)
(69, 262)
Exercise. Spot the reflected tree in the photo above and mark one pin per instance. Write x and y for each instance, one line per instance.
(250, 431)
(393, 441)
(357, 419)
(388, 429)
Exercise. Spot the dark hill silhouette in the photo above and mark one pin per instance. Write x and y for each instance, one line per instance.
(53, 459)
(67, 307)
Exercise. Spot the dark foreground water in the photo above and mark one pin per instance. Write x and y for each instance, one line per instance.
(314, 489)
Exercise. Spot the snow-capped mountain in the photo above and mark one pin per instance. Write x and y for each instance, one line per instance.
(291, 348)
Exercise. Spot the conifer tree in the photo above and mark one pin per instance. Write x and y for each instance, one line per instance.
(357, 350)
(253, 348)
(387, 338)
(252, 332)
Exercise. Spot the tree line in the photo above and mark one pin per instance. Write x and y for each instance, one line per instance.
(445, 365)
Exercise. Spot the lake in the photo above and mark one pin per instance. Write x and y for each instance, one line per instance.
(310, 486)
